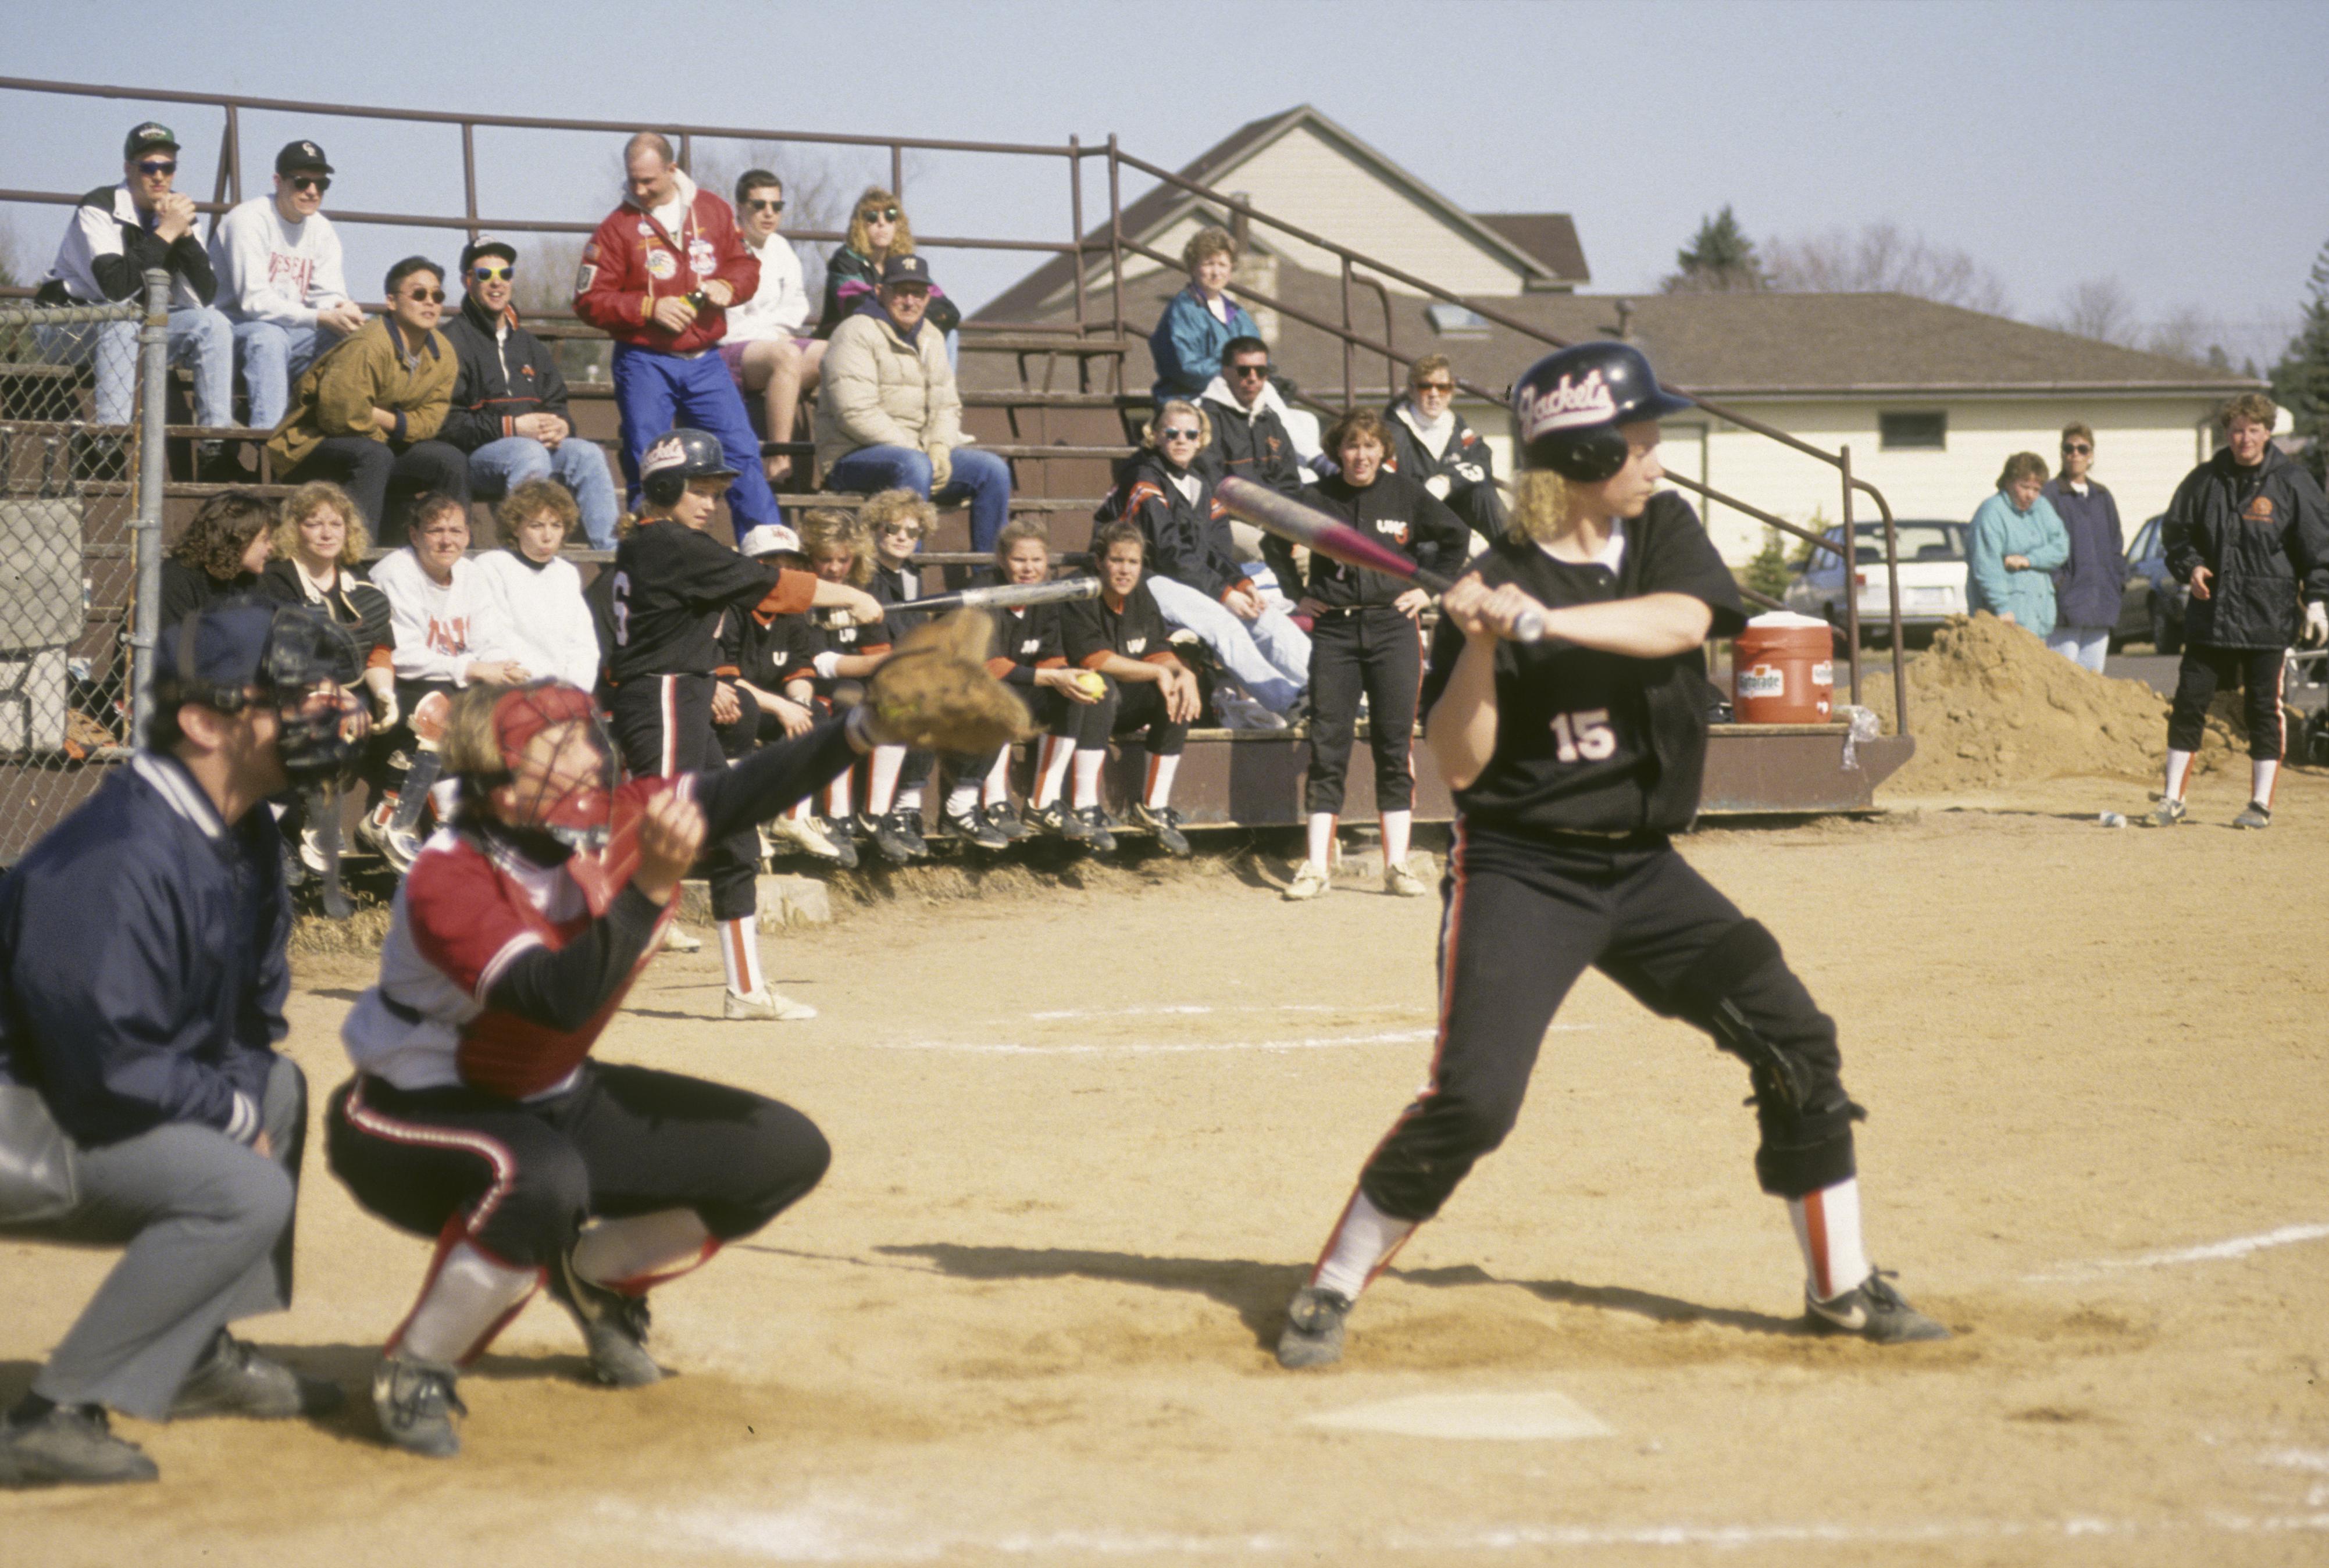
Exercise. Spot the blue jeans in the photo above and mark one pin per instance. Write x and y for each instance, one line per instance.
(981, 477)
(498, 467)
(656, 391)
(2085, 646)
(1269, 657)
(274, 356)
(200, 336)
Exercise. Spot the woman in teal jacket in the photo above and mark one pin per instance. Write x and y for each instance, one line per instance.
(2017, 543)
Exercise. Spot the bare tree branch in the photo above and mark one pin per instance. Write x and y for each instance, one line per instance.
(2099, 308)
(1880, 258)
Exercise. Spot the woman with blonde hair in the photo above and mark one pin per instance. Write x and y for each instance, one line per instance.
(878, 229)
(1201, 320)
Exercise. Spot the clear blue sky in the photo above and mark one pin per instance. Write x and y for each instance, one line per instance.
(2181, 147)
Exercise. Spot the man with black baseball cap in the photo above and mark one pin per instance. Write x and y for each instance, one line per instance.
(117, 234)
(280, 280)
(143, 1103)
(888, 413)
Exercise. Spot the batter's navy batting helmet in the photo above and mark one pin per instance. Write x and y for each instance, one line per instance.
(1568, 406)
(677, 456)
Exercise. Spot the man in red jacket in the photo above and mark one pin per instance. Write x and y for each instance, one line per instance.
(657, 278)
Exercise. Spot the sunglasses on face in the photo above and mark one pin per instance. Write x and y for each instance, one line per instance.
(319, 183)
(1249, 373)
(879, 214)
(1445, 389)
(484, 274)
(2078, 448)
(1178, 433)
(158, 167)
(765, 204)
(426, 296)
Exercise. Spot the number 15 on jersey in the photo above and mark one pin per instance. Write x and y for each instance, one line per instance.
(1584, 736)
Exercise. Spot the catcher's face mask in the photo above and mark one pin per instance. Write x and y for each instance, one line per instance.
(301, 669)
(559, 765)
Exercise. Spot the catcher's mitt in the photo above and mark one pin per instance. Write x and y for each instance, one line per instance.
(935, 693)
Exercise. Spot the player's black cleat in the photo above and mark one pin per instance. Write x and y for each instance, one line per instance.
(233, 1379)
(416, 1404)
(843, 841)
(973, 828)
(1314, 1328)
(1004, 820)
(1165, 823)
(1099, 829)
(895, 837)
(1875, 1311)
(614, 1325)
(69, 1445)
(1059, 822)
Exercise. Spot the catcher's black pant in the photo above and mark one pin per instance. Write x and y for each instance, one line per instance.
(525, 1175)
(1522, 919)
(2204, 669)
(1374, 650)
(1140, 706)
(662, 727)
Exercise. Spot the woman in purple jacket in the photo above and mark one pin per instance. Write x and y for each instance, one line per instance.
(2087, 591)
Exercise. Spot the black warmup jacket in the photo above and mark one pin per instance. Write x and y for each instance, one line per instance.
(670, 585)
(500, 380)
(1253, 447)
(1395, 511)
(2263, 533)
(1467, 465)
(1188, 541)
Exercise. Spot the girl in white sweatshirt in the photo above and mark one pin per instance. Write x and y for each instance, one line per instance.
(537, 594)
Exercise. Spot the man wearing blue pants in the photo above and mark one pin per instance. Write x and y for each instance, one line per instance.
(657, 278)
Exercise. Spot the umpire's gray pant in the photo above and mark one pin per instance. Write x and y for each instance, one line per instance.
(207, 1222)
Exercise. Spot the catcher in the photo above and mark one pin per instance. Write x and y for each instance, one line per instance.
(476, 1115)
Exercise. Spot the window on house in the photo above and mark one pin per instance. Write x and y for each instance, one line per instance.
(1912, 432)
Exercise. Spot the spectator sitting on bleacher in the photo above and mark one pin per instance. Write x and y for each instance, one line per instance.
(366, 415)
(829, 664)
(509, 407)
(889, 416)
(1432, 445)
(767, 348)
(1257, 436)
(536, 593)
(117, 233)
(658, 277)
(221, 552)
(878, 230)
(1201, 320)
(1194, 574)
(280, 281)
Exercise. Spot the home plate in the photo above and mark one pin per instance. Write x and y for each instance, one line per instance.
(1541, 1416)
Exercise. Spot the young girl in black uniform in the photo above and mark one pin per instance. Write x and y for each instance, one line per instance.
(1123, 636)
(896, 522)
(1363, 638)
(1572, 761)
(672, 582)
(1076, 708)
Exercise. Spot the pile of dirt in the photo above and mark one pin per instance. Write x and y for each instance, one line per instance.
(1991, 706)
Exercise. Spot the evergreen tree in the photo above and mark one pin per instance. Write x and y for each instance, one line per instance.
(2300, 382)
(1719, 260)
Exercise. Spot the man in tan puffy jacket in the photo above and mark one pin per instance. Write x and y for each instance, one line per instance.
(888, 415)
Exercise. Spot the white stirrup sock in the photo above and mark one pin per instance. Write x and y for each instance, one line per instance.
(635, 1255)
(464, 1303)
(1322, 837)
(2261, 775)
(1827, 1227)
(995, 791)
(739, 954)
(909, 801)
(837, 792)
(1399, 832)
(1159, 793)
(2179, 768)
(881, 779)
(963, 797)
(798, 811)
(1087, 777)
(1362, 1242)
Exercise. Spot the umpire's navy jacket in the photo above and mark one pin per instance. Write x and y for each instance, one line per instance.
(142, 973)
(2261, 532)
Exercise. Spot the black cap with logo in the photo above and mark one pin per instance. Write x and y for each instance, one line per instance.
(899, 269)
(298, 155)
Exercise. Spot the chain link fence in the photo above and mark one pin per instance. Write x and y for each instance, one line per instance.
(79, 396)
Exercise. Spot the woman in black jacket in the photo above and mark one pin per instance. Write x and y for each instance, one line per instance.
(878, 229)
(220, 554)
(1364, 638)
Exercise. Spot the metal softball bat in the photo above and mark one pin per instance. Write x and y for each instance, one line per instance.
(1001, 597)
(1338, 540)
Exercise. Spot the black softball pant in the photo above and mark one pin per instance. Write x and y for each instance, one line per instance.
(1522, 920)
(1088, 723)
(1140, 706)
(1376, 650)
(525, 1176)
(662, 727)
(2204, 669)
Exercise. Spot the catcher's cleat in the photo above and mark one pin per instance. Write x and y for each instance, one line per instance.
(1314, 1328)
(675, 939)
(895, 837)
(1165, 823)
(843, 843)
(1004, 820)
(806, 834)
(1875, 1311)
(614, 1325)
(973, 828)
(69, 1445)
(768, 1002)
(1059, 822)
(1099, 829)
(415, 1401)
(2258, 815)
(1400, 881)
(233, 1379)
(1309, 882)
(2171, 814)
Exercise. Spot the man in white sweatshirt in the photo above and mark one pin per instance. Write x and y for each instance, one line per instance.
(769, 349)
(280, 280)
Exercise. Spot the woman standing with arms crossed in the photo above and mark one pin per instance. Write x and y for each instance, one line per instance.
(2017, 543)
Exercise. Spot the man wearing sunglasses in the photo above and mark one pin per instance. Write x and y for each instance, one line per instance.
(2087, 591)
(280, 283)
(509, 407)
(117, 232)
(1433, 445)
(366, 415)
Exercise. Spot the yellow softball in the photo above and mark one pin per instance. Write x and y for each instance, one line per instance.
(1091, 684)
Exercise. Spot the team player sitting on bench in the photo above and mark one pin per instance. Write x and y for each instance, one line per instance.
(831, 662)
(1123, 636)
(1076, 708)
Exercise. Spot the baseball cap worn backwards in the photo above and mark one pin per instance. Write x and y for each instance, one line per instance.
(152, 134)
(298, 155)
(486, 244)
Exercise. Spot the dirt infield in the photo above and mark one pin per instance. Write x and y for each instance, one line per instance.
(1087, 1142)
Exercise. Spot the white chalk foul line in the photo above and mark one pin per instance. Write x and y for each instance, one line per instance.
(2210, 1253)
(1156, 1048)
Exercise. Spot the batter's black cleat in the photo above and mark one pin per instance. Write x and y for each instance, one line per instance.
(614, 1325)
(1099, 829)
(69, 1445)
(1314, 1328)
(2258, 815)
(416, 1404)
(973, 829)
(1004, 818)
(233, 1379)
(1875, 1311)
(1165, 823)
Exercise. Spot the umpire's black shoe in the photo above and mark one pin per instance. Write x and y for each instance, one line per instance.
(416, 1404)
(1314, 1328)
(614, 1325)
(1875, 1311)
(973, 828)
(1165, 823)
(233, 1379)
(70, 1445)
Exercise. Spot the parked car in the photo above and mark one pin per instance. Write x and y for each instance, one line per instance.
(1932, 554)
(2153, 609)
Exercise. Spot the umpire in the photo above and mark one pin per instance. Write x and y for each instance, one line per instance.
(141, 1100)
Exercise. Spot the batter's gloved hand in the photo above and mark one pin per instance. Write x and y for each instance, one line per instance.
(934, 692)
(2316, 625)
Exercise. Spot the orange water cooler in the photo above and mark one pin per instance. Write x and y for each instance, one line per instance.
(1782, 670)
